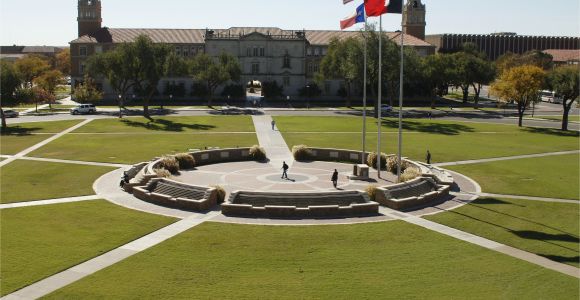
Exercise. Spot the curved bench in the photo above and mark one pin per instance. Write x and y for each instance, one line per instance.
(138, 175)
(417, 192)
(175, 194)
(299, 205)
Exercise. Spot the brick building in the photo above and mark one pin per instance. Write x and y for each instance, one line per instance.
(289, 57)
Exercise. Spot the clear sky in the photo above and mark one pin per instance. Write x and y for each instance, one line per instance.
(53, 22)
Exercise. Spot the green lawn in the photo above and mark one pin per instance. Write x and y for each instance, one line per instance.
(547, 229)
(552, 176)
(574, 118)
(133, 148)
(447, 140)
(19, 137)
(31, 180)
(392, 260)
(40, 241)
(171, 124)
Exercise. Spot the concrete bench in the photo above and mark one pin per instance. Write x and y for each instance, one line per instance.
(415, 193)
(178, 195)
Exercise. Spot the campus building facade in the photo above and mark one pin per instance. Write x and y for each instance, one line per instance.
(289, 57)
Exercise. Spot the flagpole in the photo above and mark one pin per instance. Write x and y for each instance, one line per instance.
(364, 138)
(379, 100)
(401, 104)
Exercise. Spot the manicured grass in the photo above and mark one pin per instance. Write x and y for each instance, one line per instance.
(21, 136)
(547, 229)
(171, 124)
(573, 118)
(40, 241)
(23, 181)
(551, 176)
(447, 141)
(133, 148)
(386, 260)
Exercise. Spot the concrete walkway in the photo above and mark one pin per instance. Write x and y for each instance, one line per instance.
(488, 244)
(272, 141)
(31, 110)
(78, 272)
(478, 161)
(49, 202)
(43, 143)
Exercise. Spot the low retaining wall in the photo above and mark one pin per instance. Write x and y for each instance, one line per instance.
(415, 195)
(204, 203)
(365, 208)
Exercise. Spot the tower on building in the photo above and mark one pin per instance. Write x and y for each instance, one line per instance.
(414, 19)
(89, 18)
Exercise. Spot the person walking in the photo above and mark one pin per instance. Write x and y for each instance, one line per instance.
(273, 125)
(335, 178)
(428, 158)
(285, 168)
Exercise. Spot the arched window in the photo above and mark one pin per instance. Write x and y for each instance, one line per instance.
(286, 63)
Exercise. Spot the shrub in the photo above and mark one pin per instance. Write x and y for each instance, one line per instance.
(302, 153)
(392, 163)
(410, 174)
(258, 153)
(170, 164)
(372, 190)
(235, 91)
(372, 160)
(271, 89)
(162, 173)
(185, 161)
(221, 194)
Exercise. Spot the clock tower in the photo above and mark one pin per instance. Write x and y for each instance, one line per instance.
(89, 18)
(414, 19)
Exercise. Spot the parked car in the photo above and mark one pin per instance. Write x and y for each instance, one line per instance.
(11, 113)
(387, 108)
(83, 109)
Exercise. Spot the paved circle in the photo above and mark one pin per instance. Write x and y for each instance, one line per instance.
(294, 178)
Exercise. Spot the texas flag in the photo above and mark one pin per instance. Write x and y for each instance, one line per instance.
(375, 8)
(358, 17)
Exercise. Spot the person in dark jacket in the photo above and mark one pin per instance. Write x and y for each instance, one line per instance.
(428, 158)
(285, 168)
(335, 178)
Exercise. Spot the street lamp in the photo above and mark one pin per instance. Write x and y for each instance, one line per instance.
(120, 106)
(308, 97)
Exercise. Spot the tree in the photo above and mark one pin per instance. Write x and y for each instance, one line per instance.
(436, 74)
(521, 85)
(484, 74)
(31, 67)
(565, 82)
(87, 91)
(9, 82)
(534, 58)
(271, 89)
(341, 63)
(215, 71)
(472, 69)
(49, 81)
(62, 61)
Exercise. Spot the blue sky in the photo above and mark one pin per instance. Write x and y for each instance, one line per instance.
(53, 22)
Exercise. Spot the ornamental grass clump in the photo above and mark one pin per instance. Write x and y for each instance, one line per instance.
(372, 160)
(372, 191)
(258, 153)
(302, 153)
(221, 194)
(170, 164)
(162, 173)
(185, 161)
(410, 174)
(392, 163)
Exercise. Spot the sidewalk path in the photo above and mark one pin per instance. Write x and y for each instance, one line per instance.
(68, 101)
(31, 110)
(49, 202)
(489, 244)
(272, 141)
(43, 143)
(66, 161)
(477, 161)
(69, 276)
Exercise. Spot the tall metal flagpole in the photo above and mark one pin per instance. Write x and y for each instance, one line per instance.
(379, 100)
(364, 138)
(401, 104)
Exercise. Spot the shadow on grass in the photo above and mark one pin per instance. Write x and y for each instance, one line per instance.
(552, 131)
(166, 125)
(428, 127)
(537, 235)
(562, 259)
(17, 130)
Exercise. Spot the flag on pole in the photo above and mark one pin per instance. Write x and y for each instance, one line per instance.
(375, 8)
(357, 17)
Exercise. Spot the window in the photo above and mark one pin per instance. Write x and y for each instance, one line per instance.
(262, 51)
(83, 51)
(309, 51)
(286, 81)
(178, 51)
(249, 51)
(255, 51)
(327, 87)
(255, 68)
(185, 51)
(82, 68)
(316, 51)
(315, 67)
(98, 49)
(286, 63)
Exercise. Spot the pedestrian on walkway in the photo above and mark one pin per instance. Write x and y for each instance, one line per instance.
(273, 125)
(430, 115)
(285, 168)
(428, 158)
(335, 178)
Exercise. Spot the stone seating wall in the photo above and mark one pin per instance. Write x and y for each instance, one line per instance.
(415, 193)
(140, 177)
(208, 157)
(339, 155)
(299, 205)
(175, 194)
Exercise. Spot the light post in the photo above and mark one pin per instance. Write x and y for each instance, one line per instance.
(120, 106)
(308, 97)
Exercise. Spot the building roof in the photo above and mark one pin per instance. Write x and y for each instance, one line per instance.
(29, 49)
(564, 55)
(197, 36)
